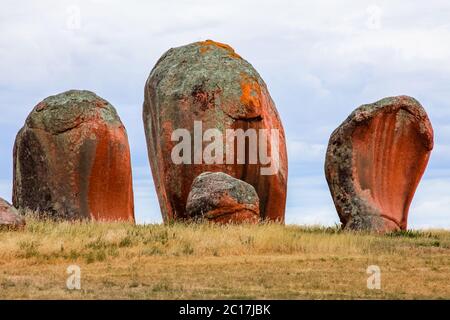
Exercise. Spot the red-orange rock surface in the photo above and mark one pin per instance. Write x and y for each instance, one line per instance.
(207, 81)
(9, 217)
(218, 197)
(72, 160)
(375, 161)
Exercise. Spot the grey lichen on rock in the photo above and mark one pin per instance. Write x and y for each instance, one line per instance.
(65, 111)
(198, 61)
(218, 197)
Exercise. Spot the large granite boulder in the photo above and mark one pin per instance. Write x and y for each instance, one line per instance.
(375, 160)
(218, 197)
(203, 86)
(72, 160)
(9, 217)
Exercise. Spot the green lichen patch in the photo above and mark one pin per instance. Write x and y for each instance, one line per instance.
(65, 111)
(208, 74)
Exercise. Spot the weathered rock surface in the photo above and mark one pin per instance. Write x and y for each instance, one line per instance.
(9, 217)
(72, 160)
(375, 160)
(207, 81)
(221, 198)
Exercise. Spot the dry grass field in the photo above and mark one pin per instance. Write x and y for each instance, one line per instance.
(121, 261)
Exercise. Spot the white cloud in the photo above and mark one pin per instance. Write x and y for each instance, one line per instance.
(309, 202)
(431, 205)
(302, 151)
(374, 14)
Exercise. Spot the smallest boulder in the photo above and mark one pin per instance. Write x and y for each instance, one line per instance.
(220, 198)
(9, 217)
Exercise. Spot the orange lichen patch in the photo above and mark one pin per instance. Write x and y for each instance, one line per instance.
(375, 160)
(80, 167)
(100, 103)
(110, 195)
(389, 159)
(243, 216)
(251, 92)
(206, 45)
(230, 211)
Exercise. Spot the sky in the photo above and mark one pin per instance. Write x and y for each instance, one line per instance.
(320, 60)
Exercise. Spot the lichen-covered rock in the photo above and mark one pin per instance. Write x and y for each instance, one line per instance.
(9, 217)
(208, 82)
(220, 198)
(72, 160)
(375, 160)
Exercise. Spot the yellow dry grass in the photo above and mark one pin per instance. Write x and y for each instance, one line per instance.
(122, 261)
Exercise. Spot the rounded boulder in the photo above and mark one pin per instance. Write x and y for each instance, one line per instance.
(72, 160)
(207, 86)
(220, 198)
(9, 217)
